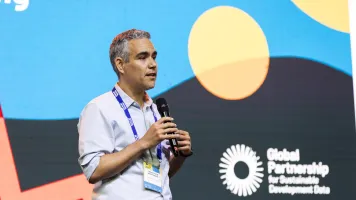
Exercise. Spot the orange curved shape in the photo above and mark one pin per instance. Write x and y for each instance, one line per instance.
(237, 80)
(71, 188)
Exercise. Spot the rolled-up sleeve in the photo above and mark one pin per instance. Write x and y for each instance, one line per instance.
(95, 138)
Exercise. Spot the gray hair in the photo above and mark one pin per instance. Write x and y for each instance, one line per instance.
(119, 45)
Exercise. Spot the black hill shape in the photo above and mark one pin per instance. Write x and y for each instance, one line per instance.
(44, 151)
(302, 104)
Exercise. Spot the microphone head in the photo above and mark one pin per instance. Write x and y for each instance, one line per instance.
(162, 106)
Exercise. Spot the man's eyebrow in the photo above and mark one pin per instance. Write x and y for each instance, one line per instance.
(145, 54)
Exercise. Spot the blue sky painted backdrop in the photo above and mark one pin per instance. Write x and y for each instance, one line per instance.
(54, 55)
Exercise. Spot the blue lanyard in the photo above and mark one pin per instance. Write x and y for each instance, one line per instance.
(127, 113)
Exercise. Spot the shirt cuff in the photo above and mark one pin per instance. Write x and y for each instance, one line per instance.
(89, 168)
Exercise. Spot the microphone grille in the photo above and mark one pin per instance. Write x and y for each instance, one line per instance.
(162, 105)
(161, 102)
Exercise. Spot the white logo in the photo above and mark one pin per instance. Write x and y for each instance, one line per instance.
(21, 5)
(123, 106)
(131, 122)
(248, 185)
(116, 93)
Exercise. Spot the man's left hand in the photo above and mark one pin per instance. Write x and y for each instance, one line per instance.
(184, 142)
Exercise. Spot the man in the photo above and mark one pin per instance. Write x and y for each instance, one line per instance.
(123, 141)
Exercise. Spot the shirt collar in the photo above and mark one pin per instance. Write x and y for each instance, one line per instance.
(129, 101)
(147, 99)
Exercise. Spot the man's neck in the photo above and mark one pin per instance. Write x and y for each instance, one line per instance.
(136, 94)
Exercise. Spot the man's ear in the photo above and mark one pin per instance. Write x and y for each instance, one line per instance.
(119, 62)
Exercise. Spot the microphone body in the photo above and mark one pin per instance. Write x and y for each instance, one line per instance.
(163, 109)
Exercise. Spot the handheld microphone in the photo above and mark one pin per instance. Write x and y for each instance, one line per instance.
(163, 109)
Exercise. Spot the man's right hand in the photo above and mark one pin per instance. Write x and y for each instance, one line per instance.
(158, 132)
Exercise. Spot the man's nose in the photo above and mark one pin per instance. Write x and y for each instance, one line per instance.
(152, 64)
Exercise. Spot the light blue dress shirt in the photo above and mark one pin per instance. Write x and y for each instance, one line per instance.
(103, 129)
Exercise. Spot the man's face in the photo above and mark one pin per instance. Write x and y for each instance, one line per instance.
(141, 70)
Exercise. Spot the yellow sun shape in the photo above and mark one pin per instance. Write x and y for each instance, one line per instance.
(228, 52)
(331, 13)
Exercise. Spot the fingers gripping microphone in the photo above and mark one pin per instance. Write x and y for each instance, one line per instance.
(163, 109)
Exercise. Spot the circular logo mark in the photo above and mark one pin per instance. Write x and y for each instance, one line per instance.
(245, 154)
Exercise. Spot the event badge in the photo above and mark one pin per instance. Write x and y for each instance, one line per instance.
(152, 177)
